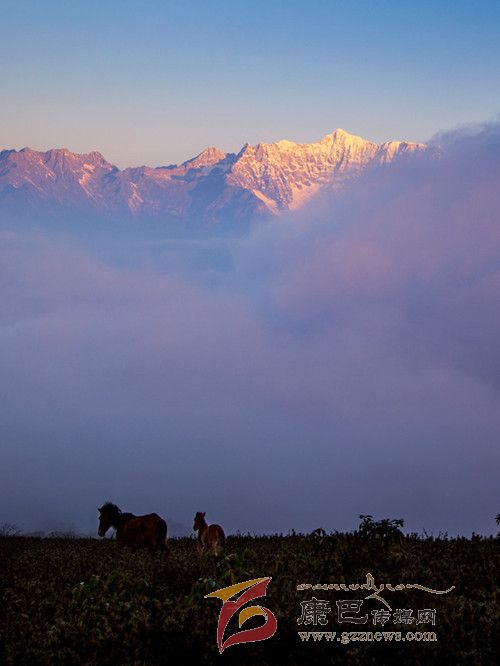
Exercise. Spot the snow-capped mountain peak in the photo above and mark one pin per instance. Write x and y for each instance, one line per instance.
(263, 179)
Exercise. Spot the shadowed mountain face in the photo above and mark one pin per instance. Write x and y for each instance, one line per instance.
(213, 187)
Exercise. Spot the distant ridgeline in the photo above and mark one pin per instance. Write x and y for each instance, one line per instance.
(214, 187)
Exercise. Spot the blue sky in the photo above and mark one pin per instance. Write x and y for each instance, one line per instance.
(155, 82)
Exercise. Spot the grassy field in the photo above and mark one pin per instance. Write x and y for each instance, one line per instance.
(84, 601)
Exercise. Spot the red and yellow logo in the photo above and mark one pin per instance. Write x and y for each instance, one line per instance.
(254, 589)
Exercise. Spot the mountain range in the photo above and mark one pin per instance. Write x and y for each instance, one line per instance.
(214, 186)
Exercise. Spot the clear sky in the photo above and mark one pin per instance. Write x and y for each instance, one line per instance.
(155, 82)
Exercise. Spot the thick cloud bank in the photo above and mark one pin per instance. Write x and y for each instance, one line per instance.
(344, 360)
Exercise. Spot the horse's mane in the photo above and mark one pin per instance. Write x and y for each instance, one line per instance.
(110, 507)
(116, 512)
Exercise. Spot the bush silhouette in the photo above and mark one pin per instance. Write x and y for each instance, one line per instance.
(380, 529)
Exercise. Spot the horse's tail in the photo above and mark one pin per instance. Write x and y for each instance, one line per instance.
(161, 534)
(220, 537)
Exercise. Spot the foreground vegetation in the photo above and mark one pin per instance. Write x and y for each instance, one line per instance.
(84, 601)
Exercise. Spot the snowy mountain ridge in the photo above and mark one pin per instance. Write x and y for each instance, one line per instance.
(265, 179)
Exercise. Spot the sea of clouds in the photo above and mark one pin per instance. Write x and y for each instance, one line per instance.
(341, 360)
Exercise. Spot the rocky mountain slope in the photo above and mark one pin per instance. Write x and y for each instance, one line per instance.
(259, 180)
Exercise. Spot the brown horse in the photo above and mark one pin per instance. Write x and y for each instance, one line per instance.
(144, 531)
(208, 535)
